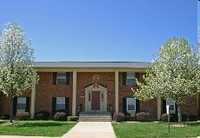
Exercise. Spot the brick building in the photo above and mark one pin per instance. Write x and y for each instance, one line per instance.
(91, 87)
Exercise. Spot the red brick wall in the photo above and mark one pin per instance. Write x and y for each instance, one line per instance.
(190, 107)
(5, 103)
(45, 91)
(126, 92)
(105, 78)
(150, 107)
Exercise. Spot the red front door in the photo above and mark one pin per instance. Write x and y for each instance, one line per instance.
(96, 100)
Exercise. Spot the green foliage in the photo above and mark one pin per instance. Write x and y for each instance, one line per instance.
(72, 118)
(23, 116)
(142, 116)
(174, 74)
(60, 116)
(42, 115)
(17, 72)
(118, 117)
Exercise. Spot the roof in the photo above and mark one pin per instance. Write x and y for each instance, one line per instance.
(91, 64)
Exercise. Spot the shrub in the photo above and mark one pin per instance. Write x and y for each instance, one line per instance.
(72, 118)
(60, 116)
(164, 117)
(192, 118)
(5, 116)
(130, 118)
(184, 117)
(23, 115)
(173, 118)
(142, 116)
(118, 117)
(42, 115)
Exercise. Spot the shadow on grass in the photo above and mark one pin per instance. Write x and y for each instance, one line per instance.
(1, 122)
(41, 124)
(33, 124)
(193, 123)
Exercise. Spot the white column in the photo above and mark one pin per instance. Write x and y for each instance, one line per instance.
(74, 93)
(33, 102)
(116, 91)
(158, 107)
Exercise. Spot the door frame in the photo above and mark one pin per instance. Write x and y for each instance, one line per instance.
(103, 98)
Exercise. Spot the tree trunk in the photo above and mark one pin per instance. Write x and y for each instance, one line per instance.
(11, 109)
(179, 113)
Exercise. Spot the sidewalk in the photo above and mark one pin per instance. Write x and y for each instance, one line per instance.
(91, 130)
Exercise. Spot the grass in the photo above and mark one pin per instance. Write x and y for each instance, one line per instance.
(151, 130)
(35, 128)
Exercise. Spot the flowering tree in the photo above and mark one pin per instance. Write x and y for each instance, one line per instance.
(17, 72)
(174, 74)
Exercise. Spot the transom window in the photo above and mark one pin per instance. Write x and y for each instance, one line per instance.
(61, 78)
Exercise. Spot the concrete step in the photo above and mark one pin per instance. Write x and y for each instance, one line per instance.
(94, 117)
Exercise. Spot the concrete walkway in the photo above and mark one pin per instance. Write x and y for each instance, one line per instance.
(91, 130)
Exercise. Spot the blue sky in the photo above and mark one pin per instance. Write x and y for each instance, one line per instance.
(101, 30)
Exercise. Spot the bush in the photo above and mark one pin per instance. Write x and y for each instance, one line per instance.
(142, 116)
(184, 117)
(5, 116)
(173, 118)
(23, 115)
(192, 118)
(72, 118)
(164, 117)
(130, 118)
(60, 116)
(118, 117)
(42, 115)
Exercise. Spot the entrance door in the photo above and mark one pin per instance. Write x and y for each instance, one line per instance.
(96, 100)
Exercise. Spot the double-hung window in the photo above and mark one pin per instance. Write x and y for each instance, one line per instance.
(60, 103)
(129, 78)
(61, 78)
(21, 104)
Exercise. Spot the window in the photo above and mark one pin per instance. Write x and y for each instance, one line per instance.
(60, 103)
(61, 78)
(131, 105)
(129, 78)
(21, 104)
(172, 106)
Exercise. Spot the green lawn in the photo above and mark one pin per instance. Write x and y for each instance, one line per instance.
(36, 128)
(150, 129)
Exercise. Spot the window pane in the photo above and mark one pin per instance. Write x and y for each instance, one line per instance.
(61, 78)
(21, 104)
(130, 78)
(60, 103)
(21, 100)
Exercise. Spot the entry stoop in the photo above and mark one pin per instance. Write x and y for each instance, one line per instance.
(95, 117)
